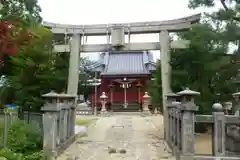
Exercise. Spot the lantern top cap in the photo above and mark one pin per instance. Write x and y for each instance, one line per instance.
(236, 94)
(228, 103)
(64, 95)
(103, 96)
(146, 95)
(51, 94)
(188, 92)
(172, 95)
(176, 103)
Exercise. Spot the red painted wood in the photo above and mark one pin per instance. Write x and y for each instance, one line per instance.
(118, 92)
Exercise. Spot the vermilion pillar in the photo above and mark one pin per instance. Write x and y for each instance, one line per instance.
(139, 85)
(111, 92)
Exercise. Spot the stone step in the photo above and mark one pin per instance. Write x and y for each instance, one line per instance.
(126, 113)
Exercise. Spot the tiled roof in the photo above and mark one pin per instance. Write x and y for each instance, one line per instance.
(125, 63)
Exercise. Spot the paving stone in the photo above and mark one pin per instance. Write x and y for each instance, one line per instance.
(132, 137)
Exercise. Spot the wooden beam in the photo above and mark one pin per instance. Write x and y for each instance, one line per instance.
(128, 47)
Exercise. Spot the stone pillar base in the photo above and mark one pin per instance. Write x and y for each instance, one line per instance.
(104, 113)
(146, 113)
(95, 110)
(155, 111)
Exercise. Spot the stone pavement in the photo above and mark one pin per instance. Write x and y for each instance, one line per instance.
(121, 137)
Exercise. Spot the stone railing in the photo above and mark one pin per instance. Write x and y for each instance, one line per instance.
(181, 129)
(58, 123)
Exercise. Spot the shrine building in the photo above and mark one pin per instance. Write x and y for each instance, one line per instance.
(125, 76)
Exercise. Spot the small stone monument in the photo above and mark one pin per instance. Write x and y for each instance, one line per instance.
(146, 102)
(227, 107)
(236, 106)
(103, 99)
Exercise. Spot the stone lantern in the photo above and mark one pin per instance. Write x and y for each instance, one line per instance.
(51, 99)
(171, 98)
(236, 104)
(187, 96)
(103, 99)
(146, 102)
(51, 111)
(58, 121)
(188, 109)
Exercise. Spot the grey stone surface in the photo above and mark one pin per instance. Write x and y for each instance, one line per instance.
(125, 137)
(58, 123)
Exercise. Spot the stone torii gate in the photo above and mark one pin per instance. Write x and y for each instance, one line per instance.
(115, 34)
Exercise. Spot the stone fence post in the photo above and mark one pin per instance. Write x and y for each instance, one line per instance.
(69, 115)
(56, 121)
(171, 104)
(188, 107)
(218, 139)
(236, 104)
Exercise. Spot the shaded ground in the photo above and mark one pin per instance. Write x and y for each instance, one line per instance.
(203, 143)
(121, 137)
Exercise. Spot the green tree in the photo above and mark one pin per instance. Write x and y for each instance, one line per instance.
(155, 88)
(32, 69)
(22, 16)
(204, 66)
(24, 11)
(227, 17)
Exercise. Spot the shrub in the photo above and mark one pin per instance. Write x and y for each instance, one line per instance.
(34, 156)
(24, 138)
(7, 154)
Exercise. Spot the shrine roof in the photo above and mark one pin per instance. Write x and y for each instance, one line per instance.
(124, 63)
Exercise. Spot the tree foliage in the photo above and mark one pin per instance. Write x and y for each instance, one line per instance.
(17, 18)
(226, 17)
(205, 66)
(32, 71)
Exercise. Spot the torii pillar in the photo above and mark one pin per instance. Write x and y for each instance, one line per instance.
(73, 72)
(165, 72)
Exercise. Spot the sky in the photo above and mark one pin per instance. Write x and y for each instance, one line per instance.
(81, 12)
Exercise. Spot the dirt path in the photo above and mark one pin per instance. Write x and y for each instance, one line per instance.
(137, 136)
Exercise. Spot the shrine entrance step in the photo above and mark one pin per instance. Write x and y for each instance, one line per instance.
(127, 113)
(129, 108)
